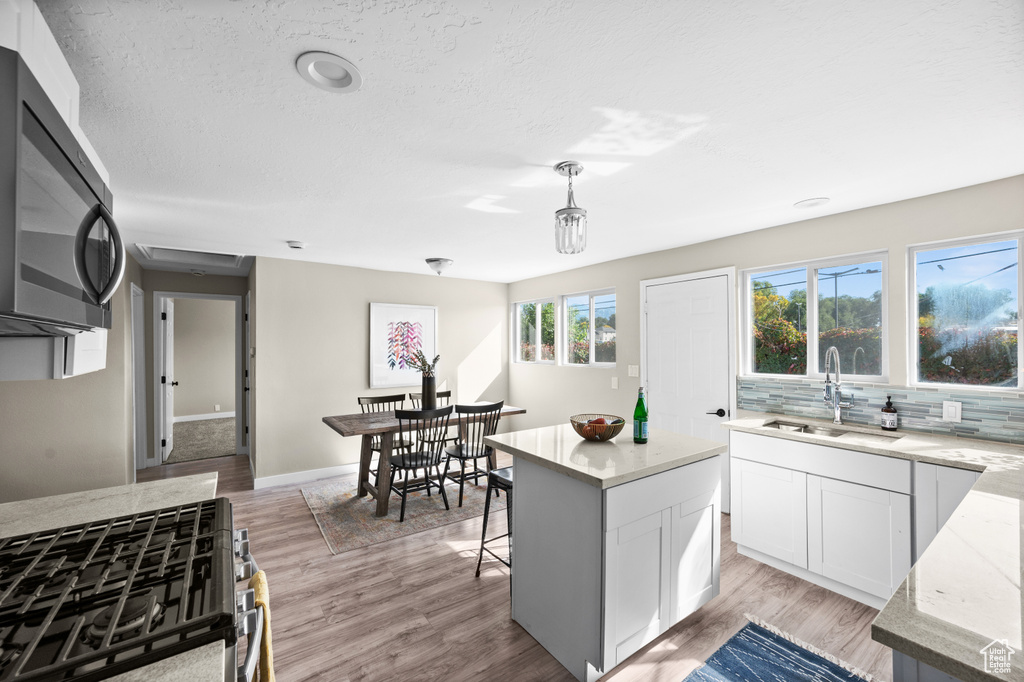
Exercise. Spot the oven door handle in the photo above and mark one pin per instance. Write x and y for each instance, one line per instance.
(247, 670)
(120, 256)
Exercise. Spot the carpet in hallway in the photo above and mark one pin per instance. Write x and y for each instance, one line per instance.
(202, 439)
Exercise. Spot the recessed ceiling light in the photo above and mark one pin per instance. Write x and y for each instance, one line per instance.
(811, 203)
(292, 244)
(329, 72)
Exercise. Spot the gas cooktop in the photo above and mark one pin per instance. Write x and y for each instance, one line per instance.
(90, 601)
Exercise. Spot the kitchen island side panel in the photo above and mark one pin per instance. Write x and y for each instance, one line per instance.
(557, 564)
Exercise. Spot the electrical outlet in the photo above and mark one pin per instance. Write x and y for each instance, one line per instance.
(634, 370)
(951, 411)
(216, 408)
(615, 382)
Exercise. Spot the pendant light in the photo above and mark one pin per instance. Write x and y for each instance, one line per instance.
(571, 221)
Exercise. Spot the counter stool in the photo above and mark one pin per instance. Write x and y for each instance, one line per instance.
(497, 479)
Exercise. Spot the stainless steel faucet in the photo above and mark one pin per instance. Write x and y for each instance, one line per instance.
(833, 397)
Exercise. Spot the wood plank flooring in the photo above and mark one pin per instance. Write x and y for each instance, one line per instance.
(411, 608)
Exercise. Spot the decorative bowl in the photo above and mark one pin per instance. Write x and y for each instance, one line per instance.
(581, 423)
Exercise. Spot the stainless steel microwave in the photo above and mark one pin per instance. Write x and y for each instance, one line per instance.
(61, 257)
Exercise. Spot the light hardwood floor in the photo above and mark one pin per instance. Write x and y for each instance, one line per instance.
(411, 608)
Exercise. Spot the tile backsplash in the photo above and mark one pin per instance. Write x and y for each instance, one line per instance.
(990, 415)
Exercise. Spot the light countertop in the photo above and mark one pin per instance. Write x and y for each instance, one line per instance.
(608, 463)
(203, 664)
(965, 591)
(57, 511)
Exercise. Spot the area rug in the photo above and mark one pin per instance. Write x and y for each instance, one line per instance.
(202, 439)
(348, 522)
(762, 653)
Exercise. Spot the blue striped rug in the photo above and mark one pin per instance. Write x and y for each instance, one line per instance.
(755, 654)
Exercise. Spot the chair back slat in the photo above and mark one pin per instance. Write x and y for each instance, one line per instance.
(476, 422)
(380, 403)
(443, 398)
(427, 428)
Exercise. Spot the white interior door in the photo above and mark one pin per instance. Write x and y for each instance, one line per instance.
(248, 376)
(167, 377)
(688, 358)
(142, 459)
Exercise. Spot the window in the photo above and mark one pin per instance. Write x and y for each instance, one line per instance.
(802, 310)
(529, 318)
(966, 310)
(589, 328)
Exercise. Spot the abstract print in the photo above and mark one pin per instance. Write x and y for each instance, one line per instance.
(404, 339)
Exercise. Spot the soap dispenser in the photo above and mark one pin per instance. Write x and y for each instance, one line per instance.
(888, 415)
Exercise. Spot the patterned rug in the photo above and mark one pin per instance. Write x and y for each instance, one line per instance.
(348, 522)
(202, 439)
(762, 653)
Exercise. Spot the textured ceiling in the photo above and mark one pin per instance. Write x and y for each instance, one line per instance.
(694, 120)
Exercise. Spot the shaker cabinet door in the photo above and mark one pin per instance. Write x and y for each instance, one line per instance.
(637, 583)
(769, 510)
(858, 535)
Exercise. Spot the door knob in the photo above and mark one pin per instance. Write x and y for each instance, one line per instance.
(175, 383)
(720, 412)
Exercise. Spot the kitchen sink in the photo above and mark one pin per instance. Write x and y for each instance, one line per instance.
(831, 432)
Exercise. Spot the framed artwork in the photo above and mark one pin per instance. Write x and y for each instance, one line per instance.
(396, 332)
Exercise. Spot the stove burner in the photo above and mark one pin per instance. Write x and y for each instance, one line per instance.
(130, 622)
(154, 550)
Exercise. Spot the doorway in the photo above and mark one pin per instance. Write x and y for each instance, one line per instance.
(199, 405)
(688, 355)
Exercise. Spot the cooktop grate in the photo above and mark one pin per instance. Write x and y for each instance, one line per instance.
(92, 600)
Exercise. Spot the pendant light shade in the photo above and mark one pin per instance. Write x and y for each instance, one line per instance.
(571, 221)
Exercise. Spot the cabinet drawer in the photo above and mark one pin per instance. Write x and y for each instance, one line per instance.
(634, 500)
(877, 471)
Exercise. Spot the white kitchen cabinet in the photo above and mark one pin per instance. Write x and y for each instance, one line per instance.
(835, 517)
(599, 573)
(53, 357)
(769, 510)
(858, 535)
(938, 491)
(662, 566)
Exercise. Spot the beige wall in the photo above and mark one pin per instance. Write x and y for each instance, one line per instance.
(74, 434)
(552, 393)
(250, 349)
(185, 283)
(312, 346)
(204, 356)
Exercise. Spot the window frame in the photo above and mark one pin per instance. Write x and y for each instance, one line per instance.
(913, 349)
(516, 330)
(811, 267)
(562, 328)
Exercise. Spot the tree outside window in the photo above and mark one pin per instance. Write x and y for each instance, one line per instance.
(780, 321)
(967, 321)
(590, 334)
(531, 316)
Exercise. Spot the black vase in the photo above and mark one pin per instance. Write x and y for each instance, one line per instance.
(429, 391)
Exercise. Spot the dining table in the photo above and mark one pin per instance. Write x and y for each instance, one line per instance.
(385, 425)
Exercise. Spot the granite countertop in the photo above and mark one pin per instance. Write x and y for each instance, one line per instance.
(57, 511)
(964, 593)
(608, 463)
(203, 664)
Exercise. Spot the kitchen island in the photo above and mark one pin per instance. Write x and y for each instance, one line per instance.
(203, 664)
(613, 542)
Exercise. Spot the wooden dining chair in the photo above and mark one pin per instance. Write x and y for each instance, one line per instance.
(382, 403)
(429, 427)
(475, 423)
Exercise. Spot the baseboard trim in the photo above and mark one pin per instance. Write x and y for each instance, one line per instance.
(819, 580)
(304, 476)
(203, 417)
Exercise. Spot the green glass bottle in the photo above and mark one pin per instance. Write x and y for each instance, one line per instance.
(640, 418)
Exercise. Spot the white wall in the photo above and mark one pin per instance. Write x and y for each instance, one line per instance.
(553, 393)
(204, 356)
(312, 352)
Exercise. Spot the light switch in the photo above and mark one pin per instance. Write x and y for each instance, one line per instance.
(951, 411)
(634, 370)
(615, 382)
